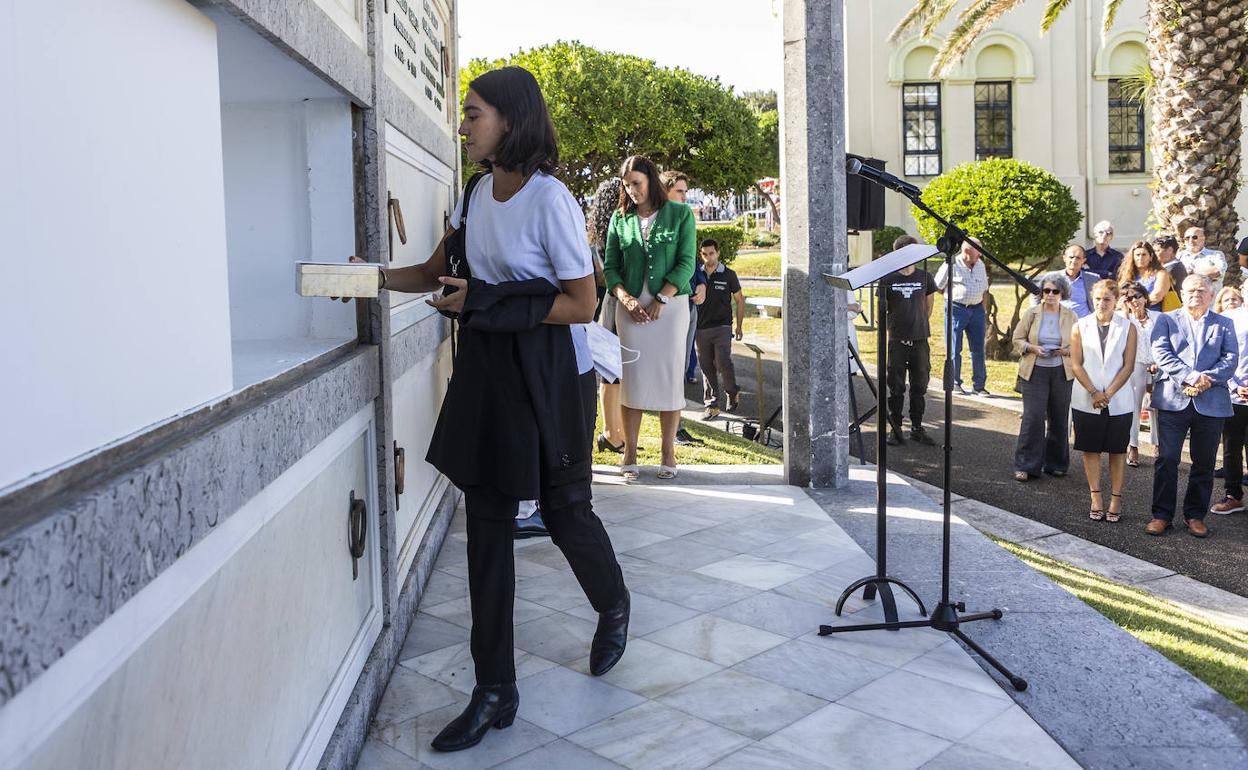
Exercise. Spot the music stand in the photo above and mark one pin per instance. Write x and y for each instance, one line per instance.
(855, 279)
(947, 615)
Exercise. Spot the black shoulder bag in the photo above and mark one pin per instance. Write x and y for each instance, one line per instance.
(456, 248)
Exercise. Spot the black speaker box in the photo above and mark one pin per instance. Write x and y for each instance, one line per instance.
(864, 198)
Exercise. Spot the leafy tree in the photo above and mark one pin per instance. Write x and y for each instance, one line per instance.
(1197, 56)
(1022, 214)
(607, 106)
(762, 101)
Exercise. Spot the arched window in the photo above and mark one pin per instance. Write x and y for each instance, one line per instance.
(920, 108)
(1118, 63)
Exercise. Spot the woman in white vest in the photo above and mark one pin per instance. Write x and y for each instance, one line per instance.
(1103, 349)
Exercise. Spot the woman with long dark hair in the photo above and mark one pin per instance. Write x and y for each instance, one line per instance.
(651, 246)
(519, 411)
(1142, 266)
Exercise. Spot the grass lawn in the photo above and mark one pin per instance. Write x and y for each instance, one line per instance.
(718, 447)
(1216, 655)
(763, 264)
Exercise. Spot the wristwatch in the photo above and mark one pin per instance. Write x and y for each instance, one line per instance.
(662, 298)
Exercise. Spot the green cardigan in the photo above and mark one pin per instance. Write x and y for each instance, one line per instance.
(668, 255)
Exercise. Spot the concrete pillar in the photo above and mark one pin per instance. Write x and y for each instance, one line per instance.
(812, 160)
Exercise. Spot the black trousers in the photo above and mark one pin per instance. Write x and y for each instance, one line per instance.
(913, 358)
(1044, 433)
(575, 529)
(1172, 428)
(1233, 433)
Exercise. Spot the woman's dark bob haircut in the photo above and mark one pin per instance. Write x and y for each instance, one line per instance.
(530, 143)
(643, 165)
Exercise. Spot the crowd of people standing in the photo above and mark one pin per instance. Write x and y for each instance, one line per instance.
(1109, 336)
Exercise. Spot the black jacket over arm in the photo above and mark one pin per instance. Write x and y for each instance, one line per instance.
(513, 419)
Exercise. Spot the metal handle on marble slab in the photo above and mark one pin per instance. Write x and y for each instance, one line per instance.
(396, 211)
(357, 532)
(400, 471)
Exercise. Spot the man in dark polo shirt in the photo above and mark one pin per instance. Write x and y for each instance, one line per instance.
(910, 293)
(715, 331)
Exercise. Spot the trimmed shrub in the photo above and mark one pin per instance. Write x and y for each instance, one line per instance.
(730, 238)
(765, 239)
(882, 239)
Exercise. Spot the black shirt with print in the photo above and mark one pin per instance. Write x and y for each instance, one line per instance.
(716, 309)
(907, 304)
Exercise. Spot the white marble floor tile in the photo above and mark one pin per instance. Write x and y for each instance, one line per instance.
(528, 568)
(558, 590)
(892, 648)
(563, 701)
(950, 663)
(811, 667)
(558, 755)
(651, 669)
(925, 704)
(428, 633)
(742, 703)
(410, 694)
(558, 637)
(962, 757)
(717, 639)
(646, 616)
(655, 737)
(754, 571)
(458, 611)
(672, 523)
(442, 587)
(452, 666)
(680, 553)
(625, 538)
(824, 588)
(778, 614)
(806, 553)
(690, 589)
(1016, 736)
(844, 739)
(760, 756)
(378, 756)
(414, 736)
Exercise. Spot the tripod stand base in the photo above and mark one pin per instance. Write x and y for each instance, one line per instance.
(946, 618)
(884, 586)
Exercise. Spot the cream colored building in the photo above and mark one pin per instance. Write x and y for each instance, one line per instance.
(1048, 100)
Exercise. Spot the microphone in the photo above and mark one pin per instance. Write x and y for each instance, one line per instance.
(882, 178)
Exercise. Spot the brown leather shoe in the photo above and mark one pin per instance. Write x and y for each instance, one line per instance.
(1157, 527)
(1197, 528)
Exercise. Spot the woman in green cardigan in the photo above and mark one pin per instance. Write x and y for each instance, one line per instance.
(649, 260)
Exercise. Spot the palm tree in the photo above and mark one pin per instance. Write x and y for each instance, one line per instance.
(1196, 56)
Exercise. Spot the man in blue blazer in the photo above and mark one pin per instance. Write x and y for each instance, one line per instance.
(1196, 352)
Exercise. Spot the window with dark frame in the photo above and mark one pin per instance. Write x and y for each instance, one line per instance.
(1126, 131)
(994, 120)
(920, 120)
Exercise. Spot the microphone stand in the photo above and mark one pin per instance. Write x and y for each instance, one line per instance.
(947, 615)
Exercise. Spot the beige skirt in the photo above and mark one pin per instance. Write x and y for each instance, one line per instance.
(654, 356)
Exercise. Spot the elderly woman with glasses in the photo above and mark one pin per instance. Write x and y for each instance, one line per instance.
(1042, 337)
(1133, 306)
(1103, 347)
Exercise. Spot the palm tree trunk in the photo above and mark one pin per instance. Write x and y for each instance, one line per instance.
(1196, 53)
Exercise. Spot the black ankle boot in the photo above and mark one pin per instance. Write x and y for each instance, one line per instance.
(494, 705)
(610, 638)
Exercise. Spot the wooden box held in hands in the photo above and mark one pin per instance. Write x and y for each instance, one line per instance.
(337, 279)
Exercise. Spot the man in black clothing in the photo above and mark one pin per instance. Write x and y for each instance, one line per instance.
(910, 292)
(715, 331)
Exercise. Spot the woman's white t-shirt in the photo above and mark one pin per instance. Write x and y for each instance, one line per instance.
(538, 233)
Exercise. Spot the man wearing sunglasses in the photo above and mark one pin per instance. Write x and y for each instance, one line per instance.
(1210, 263)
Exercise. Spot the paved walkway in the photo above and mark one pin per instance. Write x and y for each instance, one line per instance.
(724, 668)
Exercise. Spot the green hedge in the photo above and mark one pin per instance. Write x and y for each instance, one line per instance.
(730, 238)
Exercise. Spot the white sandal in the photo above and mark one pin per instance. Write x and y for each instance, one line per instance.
(630, 472)
(667, 472)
